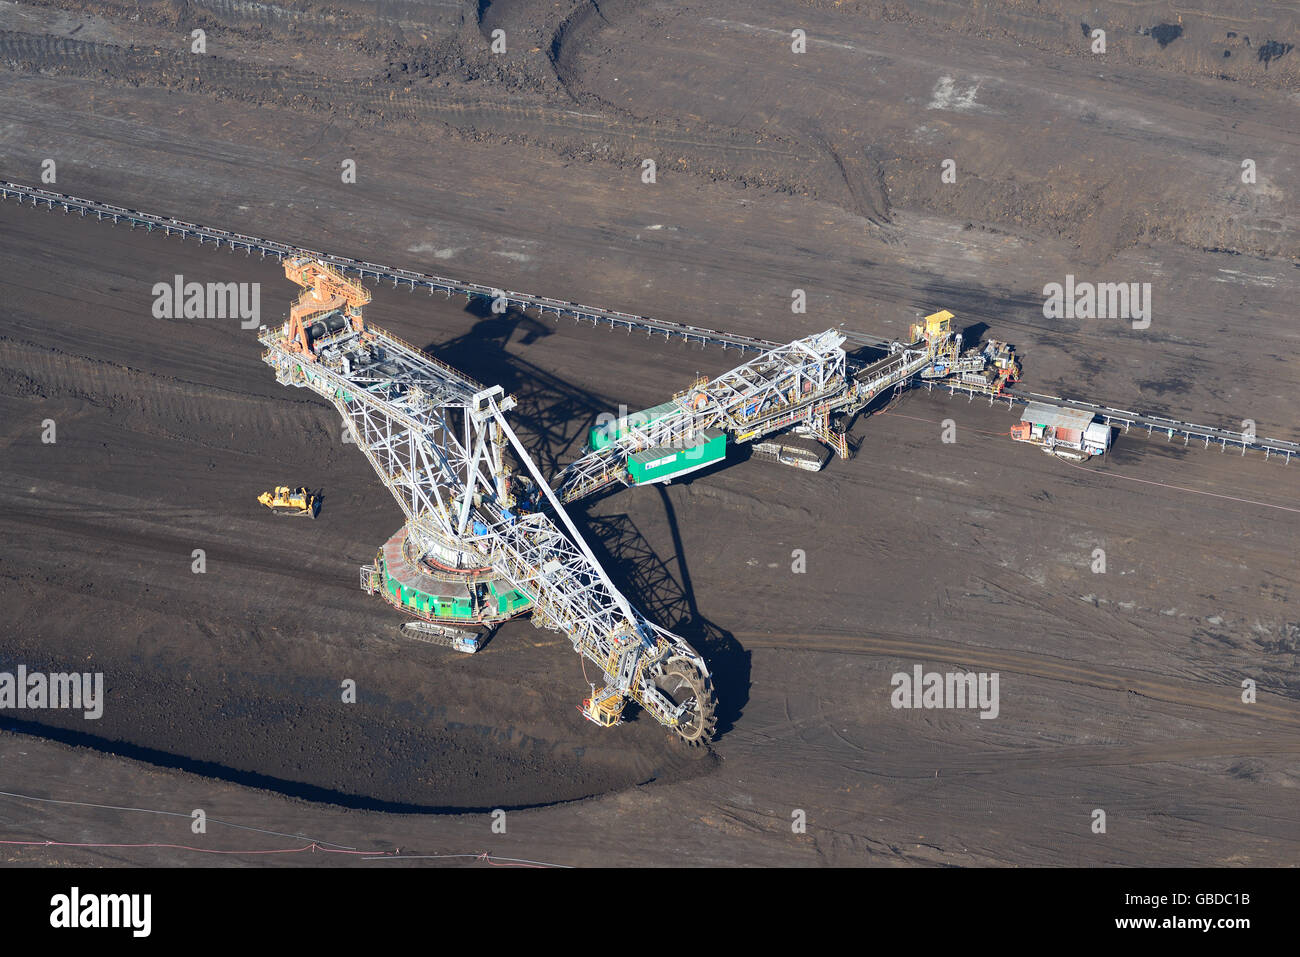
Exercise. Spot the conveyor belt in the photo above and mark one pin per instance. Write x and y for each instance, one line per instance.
(398, 277)
(615, 320)
(406, 277)
(1154, 424)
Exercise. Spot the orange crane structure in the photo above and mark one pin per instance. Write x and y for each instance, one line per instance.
(325, 290)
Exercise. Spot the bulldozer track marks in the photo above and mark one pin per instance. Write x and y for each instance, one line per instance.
(1222, 698)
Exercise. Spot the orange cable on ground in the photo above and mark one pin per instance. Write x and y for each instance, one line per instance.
(484, 857)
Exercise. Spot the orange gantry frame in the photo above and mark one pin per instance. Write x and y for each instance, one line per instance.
(325, 289)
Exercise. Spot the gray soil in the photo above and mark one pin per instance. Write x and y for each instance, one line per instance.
(821, 171)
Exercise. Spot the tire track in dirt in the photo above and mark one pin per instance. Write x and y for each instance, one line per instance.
(163, 406)
(1085, 756)
(1186, 693)
(921, 766)
(724, 153)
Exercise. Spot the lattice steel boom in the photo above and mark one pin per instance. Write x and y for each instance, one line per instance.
(437, 440)
(797, 386)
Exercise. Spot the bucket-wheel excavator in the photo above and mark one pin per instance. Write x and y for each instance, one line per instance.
(485, 538)
(482, 544)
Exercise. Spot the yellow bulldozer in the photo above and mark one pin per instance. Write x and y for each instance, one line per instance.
(292, 501)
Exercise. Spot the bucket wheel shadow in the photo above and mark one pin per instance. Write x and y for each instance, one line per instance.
(665, 596)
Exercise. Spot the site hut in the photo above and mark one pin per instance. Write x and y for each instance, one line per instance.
(1054, 427)
(663, 463)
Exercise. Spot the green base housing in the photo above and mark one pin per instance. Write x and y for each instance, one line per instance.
(446, 596)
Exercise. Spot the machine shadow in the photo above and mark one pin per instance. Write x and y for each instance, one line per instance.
(553, 415)
(552, 419)
(668, 599)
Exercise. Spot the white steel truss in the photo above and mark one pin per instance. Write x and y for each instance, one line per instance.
(795, 385)
(436, 438)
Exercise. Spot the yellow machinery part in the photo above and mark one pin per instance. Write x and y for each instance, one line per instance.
(937, 325)
(285, 497)
(939, 322)
(606, 711)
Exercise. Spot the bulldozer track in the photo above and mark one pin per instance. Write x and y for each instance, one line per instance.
(1224, 698)
(510, 115)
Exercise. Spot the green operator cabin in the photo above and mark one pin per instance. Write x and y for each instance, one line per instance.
(662, 462)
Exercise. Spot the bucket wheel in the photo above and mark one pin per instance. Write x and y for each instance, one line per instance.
(684, 683)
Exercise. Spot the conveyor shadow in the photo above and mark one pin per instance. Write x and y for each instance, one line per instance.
(552, 420)
(553, 415)
(985, 305)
